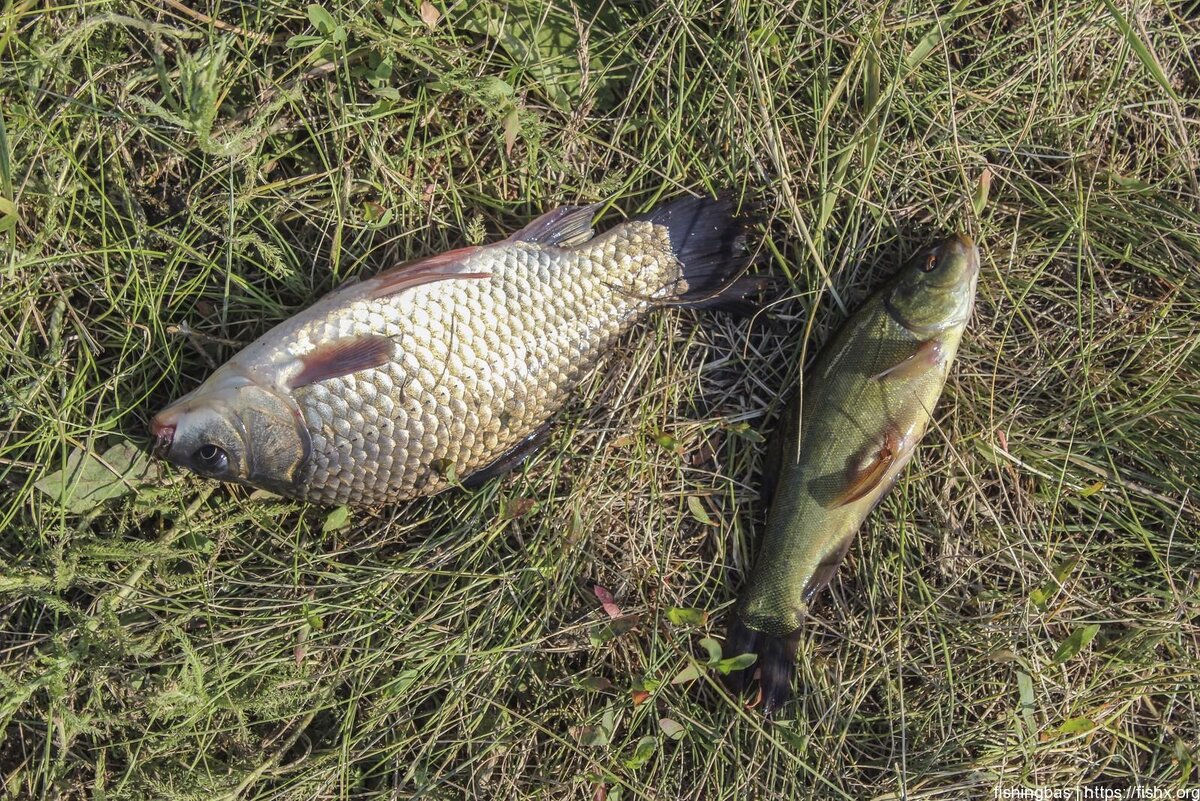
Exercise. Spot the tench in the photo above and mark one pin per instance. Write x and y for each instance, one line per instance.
(447, 368)
(852, 427)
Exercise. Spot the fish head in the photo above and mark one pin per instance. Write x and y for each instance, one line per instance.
(936, 289)
(233, 428)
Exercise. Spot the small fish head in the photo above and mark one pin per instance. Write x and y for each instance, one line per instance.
(936, 289)
(235, 429)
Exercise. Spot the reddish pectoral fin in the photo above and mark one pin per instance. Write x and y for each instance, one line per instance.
(928, 354)
(343, 357)
(564, 227)
(441, 267)
(870, 472)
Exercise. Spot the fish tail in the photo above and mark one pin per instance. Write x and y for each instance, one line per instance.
(709, 242)
(776, 663)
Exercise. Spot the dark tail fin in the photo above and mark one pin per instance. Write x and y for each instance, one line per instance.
(710, 244)
(776, 663)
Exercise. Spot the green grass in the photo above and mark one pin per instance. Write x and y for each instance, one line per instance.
(173, 183)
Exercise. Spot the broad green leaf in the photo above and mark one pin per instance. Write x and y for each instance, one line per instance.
(8, 214)
(734, 663)
(982, 189)
(87, 479)
(339, 518)
(742, 430)
(593, 736)
(1076, 725)
(696, 507)
(1075, 643)
(593, 683)
(688, 674)
(642, 752)
(672, 728)
(600, 733)
(321, 19)
(670, 443)
(1025, 690)
(682, 616)
(713, 648)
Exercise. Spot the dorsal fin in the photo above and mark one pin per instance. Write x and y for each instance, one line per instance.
(422, 271)
(565, 227)
(343, 357)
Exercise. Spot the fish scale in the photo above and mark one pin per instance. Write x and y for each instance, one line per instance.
(430, 399)
(449, 366)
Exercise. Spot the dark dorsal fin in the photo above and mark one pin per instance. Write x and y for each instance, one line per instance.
(564, 227)
(422, 271)
(343, 357)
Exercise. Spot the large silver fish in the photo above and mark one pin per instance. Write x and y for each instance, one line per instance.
(448, 366)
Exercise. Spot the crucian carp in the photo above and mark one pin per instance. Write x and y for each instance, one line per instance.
(446, 367)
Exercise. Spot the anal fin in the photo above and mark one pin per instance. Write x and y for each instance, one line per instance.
(827, 569)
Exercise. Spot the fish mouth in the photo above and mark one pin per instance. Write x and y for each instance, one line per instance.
(966, 245)
(163, 434)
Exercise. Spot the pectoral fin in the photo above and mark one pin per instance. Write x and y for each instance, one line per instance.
(927, 354)
(343, 357)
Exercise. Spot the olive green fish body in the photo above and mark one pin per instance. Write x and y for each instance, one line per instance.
(863, 406)
(397, 385)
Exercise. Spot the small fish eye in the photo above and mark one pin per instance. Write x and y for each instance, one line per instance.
(930, 263)
(211, 458)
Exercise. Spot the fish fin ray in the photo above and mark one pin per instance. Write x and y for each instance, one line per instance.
(866, 477)
(440, 267)
(510, 459)
(927, 354)
(709, 242)
(827, 569)
(343, 357)
(564, 227)
(776, 663)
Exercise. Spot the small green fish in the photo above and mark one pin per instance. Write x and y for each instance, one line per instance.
(863, 407)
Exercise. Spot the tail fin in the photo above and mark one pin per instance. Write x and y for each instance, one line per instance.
(776, 663)
(710, 244)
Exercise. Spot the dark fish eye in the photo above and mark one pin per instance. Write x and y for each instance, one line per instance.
(211, 458)
(930, 263)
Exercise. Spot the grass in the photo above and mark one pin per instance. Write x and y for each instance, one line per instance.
(1024, 609)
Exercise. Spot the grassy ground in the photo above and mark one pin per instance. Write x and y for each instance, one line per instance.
(1023, 609)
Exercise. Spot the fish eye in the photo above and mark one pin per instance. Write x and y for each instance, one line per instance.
(210, 458)
(930, 263)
